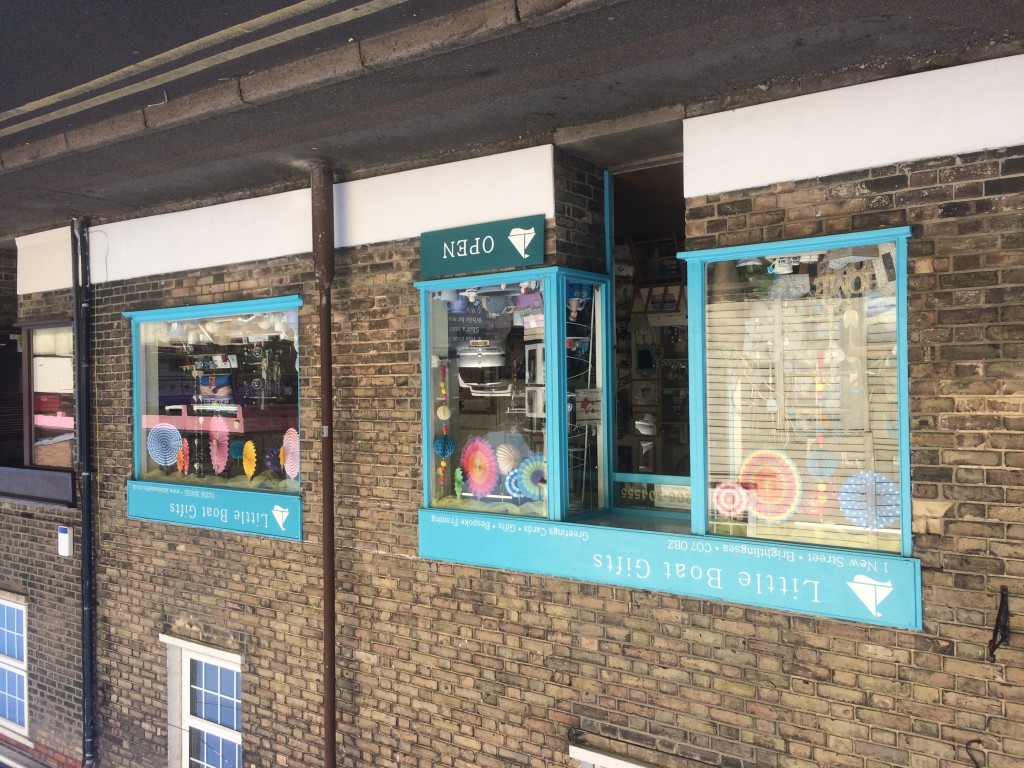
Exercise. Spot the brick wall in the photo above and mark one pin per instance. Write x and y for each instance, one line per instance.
(450, 665)
(30, 567)
(255, 596)
(862, 697)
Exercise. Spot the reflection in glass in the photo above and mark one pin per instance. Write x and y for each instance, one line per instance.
(53, 396)
(220, 400)
(803, 438)
(488, 399)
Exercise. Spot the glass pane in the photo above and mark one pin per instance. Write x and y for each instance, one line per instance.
(12, 435)
(487, 397)
(215, 694)
(12, 696)
(12, 632)
(209, 751)
(220, 401)
(652, 393)
(584, 362)
(803, 432)
(53, 397)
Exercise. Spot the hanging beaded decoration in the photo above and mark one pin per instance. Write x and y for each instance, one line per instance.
(444, 446)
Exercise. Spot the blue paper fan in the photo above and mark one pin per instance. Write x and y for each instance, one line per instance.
(163, 443)
(870, 500)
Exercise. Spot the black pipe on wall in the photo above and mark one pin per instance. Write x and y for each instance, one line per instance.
(322, 193)
(82, 300)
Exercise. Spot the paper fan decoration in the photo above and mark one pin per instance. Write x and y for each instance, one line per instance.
(444, 446)
(514, 483)
(508, 458)
(730, 499)
(821, 464)
(870, 500)
(533, 475)
(480, 466)
(163, 444)
(235, 449)
(249, 458)
(272, 458)
(774, 484)
(218, 443)
(291, 453)
(183, 458)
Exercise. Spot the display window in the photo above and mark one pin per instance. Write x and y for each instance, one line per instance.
(495, 442)
(801, 369)
(217, 407)
(741, 436)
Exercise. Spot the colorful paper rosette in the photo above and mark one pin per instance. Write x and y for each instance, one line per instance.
(249, 458)
(533, 476)
(821, 464)
(480, 466)
(291, 453)
(272, 458)
(730, 499)
(235, 449)
(183, 458)
(870, 500)
(514, 483)
(508, 458)
(163, 443)
(774, 485)
(444, 446)
(218, 443)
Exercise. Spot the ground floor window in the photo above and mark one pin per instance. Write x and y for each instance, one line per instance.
(204, 706)
(13, 672)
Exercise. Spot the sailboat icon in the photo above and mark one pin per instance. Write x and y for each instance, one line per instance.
(870, 592)
(280, 514)
(521, 239)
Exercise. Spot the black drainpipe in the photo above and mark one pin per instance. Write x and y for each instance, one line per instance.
(322, 193)
(82, 298)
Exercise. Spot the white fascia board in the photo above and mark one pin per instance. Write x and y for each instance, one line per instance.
(403, 205)
(931, 114)
(44, 261)
(255, 229)
(397, 206)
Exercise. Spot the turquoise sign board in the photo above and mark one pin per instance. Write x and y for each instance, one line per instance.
(496, 245)
(844, 584)
(223, 509)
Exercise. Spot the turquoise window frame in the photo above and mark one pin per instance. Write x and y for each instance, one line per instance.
(696, 275)
(863, 586)
(554, 280)
(257, 512)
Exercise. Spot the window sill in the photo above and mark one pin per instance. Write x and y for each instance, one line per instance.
(44, 486)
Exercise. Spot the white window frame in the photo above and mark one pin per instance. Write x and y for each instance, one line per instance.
(180, 655)
(17, 667)
(592, 758)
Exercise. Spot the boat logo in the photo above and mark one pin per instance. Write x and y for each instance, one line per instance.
(870, 592)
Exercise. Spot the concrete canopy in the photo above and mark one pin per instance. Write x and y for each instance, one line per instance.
(110, 118)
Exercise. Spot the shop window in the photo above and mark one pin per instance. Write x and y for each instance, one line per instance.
(743, 439)
(217, 417)
(799, 359)
(205, 706)
(37, 412)
(13, 674)
(495, 440)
